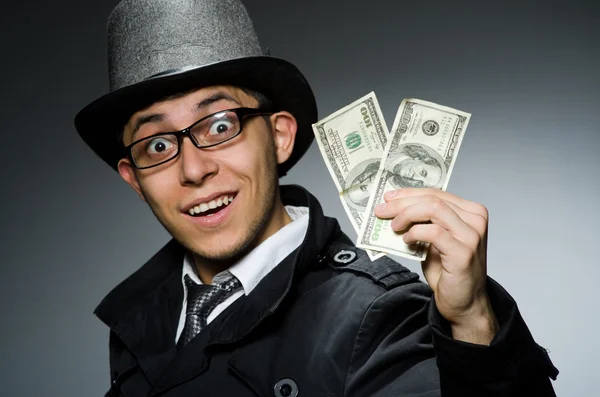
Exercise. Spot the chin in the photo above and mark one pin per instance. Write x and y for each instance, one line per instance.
(224, 255)
(225, 246)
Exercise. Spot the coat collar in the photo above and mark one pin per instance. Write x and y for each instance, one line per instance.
(143, 310)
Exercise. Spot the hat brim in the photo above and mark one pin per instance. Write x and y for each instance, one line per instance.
(100, 123)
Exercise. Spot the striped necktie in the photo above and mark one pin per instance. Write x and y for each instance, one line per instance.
(201, 301)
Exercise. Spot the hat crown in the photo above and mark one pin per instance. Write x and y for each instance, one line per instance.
(147, 38)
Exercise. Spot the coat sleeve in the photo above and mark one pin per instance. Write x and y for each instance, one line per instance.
(513, 364)
(403, 348)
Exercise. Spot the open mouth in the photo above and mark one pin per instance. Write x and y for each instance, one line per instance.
(212, 207)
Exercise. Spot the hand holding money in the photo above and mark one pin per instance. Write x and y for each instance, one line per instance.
(408, 212)
(455, 267)
(421, 152)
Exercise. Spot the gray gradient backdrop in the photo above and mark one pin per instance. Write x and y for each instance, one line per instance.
(528, 72)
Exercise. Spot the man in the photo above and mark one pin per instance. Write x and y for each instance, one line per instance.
(259, 293)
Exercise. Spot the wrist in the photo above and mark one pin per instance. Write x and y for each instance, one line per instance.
(478, 328)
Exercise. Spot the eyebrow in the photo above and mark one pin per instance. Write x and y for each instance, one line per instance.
(203, 104)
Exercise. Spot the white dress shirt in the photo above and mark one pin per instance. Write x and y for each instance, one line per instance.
(255, 265)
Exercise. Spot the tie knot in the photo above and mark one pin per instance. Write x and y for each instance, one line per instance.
(205, 297)
(226, 281)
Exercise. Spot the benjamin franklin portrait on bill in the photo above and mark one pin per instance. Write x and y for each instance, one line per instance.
(415, 165)
(360, 185)
(411, 165)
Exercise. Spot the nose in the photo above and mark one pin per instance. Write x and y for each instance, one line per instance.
(196, 164)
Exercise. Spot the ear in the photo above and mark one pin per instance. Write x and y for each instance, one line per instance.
(127, 172)
(285, 127)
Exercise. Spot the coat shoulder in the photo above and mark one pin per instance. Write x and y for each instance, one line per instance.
(384, 271)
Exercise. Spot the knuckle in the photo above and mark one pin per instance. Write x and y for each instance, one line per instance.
(387, 210)
(401, 209)
(436, 231)
(481, 225)
(431, 197)
(400, 215)
(481, 210)
(472, 239)
(436, 206)
(394, 207)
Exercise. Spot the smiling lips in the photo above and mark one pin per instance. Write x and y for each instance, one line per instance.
(213, 204)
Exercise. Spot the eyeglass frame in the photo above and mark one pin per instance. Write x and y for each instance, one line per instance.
(241, 113)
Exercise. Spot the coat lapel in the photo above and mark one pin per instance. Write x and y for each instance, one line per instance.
(144, 309)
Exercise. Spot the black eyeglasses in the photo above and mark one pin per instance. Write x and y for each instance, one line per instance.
(211, 130)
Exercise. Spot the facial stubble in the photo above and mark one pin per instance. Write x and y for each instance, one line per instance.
(255, 226)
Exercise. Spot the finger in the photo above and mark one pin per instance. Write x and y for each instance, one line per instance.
(437, 212)
(438, 237)
(390, 209)
(398, 209)
(431, 267)
(466, 205)
(475, 221)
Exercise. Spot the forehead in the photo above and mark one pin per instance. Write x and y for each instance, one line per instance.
(237, 94)
(191, 102)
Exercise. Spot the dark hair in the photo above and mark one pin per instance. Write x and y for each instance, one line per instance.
(263, 101)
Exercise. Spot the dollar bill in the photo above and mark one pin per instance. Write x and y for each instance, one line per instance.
(352, 141)
(422, 150)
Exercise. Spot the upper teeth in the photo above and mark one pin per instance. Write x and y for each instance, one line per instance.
(211, 205)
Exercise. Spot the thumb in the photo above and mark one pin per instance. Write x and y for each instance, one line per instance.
(432, 268)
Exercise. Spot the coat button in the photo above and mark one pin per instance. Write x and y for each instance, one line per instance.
(344, 257)
(286, 388)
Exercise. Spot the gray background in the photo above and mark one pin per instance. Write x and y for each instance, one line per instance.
(528, 72)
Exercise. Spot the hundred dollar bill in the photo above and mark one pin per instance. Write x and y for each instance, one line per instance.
(352, 141)
(422, 150)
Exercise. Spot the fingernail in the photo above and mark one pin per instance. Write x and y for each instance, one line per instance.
(380, 207)
(391, 194)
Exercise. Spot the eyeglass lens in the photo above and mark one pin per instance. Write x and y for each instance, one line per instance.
(207, 132)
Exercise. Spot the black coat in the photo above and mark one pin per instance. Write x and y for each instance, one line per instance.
(314, 326)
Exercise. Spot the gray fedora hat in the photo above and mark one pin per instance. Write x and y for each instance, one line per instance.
(157, 48)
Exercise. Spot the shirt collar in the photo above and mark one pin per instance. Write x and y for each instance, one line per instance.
(251, 269)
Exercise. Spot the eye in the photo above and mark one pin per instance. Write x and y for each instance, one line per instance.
(159, 145)
(220, 127)
(424, 173)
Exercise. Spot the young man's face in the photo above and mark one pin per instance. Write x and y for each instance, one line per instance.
(243, 169)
